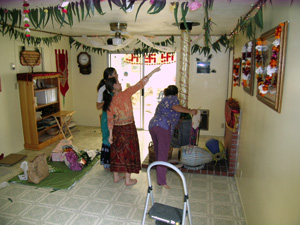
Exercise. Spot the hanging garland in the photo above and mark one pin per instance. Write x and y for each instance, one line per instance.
(267, 77)
(26, 18)
(12, 32)
(65, 14)
(236, 71)
(146, 49)
(246, 63)
(77, 45)
(139, 51)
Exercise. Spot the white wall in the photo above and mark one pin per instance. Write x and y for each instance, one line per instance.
(269, 141)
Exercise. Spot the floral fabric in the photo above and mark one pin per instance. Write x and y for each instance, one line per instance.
(165, 117)
(125, 150)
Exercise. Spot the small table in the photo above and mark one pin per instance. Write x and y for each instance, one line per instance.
(66, 117)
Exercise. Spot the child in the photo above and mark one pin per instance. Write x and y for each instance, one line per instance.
(105, 150)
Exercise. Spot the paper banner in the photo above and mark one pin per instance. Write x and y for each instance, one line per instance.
(151, 59)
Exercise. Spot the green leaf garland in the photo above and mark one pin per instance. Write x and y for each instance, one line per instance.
(81, 9)
(139, 51)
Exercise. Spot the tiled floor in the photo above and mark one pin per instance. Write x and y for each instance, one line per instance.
(96, 199)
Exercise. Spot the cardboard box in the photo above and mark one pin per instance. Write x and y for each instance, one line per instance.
(57, 152)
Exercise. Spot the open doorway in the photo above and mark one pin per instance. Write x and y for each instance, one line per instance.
(132, 68)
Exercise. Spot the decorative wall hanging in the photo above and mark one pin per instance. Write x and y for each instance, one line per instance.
(62, 67)
(236, 72)
(270, 63)
(248, 65)
(30, 58)
(26, 18)
(151, 59)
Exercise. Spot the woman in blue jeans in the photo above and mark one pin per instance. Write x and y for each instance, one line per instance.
(161, 126)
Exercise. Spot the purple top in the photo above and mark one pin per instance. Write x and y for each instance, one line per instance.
(165, 117)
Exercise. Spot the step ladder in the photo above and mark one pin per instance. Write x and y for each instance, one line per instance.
(165, 214)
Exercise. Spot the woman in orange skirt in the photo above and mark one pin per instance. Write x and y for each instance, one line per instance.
(125, 152)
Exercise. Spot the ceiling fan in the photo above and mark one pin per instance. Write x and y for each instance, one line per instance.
(119, 29)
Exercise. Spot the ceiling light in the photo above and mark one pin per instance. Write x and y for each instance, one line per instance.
(117, 41)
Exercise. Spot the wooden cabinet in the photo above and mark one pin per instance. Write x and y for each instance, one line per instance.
(39, 100)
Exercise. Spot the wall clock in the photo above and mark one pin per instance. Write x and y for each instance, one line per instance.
(84, 63)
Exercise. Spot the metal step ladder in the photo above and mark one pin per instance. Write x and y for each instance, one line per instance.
(165, 214)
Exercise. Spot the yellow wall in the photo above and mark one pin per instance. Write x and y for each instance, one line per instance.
(207, 91)
(269, 153)
(11, 133)
(269, 142)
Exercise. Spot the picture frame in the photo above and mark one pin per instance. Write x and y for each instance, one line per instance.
(203, 67)
(236, 71)
(248, 66)
(270, 61)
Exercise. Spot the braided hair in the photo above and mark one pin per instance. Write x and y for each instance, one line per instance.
(107, 73)
(107, 94)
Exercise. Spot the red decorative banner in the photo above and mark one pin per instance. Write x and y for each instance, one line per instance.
(151, 59)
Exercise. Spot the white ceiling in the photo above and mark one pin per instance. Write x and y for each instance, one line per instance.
(225, 15)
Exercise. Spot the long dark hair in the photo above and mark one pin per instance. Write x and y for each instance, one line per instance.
(107, 72)
(171, 90)
(107, 94)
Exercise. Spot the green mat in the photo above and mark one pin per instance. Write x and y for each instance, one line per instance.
(64, 178)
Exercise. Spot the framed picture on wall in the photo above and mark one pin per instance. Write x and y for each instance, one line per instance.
(248, 66)
(270, 63)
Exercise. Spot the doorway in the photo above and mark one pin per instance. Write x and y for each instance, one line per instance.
(131, 68)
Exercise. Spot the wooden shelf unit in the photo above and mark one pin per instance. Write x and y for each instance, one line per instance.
(33, 138)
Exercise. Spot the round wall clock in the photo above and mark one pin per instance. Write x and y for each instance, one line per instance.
(84, 63)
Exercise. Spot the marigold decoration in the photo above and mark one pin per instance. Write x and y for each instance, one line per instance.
(267, 77)
(246, 64)
(26, 18)
(236, 71)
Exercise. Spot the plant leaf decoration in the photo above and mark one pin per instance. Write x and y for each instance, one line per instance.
(259, 18)
(176, 13)
(184, 11)
(137, 12)
(82, 9)
(97, 5)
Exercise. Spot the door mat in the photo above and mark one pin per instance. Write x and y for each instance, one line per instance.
(11, 159)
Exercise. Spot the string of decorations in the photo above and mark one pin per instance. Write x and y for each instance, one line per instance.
(26, 18)
(145, 50)
(65, 13)
(267, 77)
(13, 32)
(246, 63)
(236, 71)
